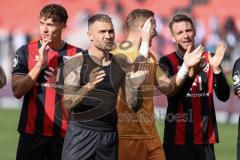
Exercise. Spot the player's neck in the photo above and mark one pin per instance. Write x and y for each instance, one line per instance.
(180, 53)
(101, 56)
(135, 40)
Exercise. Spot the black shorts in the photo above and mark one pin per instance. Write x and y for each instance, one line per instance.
(189, 152)
(38, 147)
(86, 144)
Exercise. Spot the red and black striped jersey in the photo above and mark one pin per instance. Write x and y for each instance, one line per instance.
(42, 110)
(190, 117)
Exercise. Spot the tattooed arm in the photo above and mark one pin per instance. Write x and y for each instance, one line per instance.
(3, 79)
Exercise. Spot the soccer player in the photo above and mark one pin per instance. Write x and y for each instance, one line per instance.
(236, 87)
(36, 76)
(91, 83)
(138, 137)
(190, 124)
(3, 79)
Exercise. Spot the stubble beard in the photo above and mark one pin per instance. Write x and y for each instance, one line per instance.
(108, 48)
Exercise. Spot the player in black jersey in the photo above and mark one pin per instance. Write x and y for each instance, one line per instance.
(190, 124)
(92, 80)
(236, 86)
(41, 126)
(3, 79)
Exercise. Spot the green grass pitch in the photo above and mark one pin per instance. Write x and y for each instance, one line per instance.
(226, 149)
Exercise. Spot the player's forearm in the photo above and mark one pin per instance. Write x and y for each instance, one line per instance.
(174, 86)
(74, 98)
(166, 87)
(171, 86)
(133, 97)
(175, 83)
(22, 84)
(34, 73)
(178, 80)
(3, 79)
(220, 85)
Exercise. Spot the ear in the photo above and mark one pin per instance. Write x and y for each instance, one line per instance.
(90, 36)
(63, 25)
(194, 32)
(172, 38)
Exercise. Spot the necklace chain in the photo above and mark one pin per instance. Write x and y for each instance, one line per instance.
(179, 54)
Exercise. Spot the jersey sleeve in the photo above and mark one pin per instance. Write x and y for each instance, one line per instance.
(236, 76)
(220, 85)
(20, 61)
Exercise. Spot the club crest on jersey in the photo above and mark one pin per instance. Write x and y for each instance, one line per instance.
(206, 68)
(65, 58)
(15, 61)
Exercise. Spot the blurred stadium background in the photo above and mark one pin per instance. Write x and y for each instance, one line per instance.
(214, 19)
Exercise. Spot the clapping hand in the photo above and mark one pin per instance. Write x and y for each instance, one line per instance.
(216, 60)
(135, 78)
(96, 76)
(193, 58)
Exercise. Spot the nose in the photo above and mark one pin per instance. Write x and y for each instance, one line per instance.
(107, 35)
(45, 28)
(185, 35)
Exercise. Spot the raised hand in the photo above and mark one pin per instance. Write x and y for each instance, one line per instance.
(193, 58)
(145, 30)
(96, 76)
(135, 79)
(145, 38)
(216, 60)
(42, 53)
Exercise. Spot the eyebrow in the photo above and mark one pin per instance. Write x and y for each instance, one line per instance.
(106, 30)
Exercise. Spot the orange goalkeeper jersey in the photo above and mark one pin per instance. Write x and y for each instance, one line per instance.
(141, 124)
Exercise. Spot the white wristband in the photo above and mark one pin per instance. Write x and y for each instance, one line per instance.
(144, 49)
(183, 71)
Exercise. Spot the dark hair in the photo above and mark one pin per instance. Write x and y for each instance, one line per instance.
(180, 18)
(54, 11)
(100, 18)
(136, 14)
